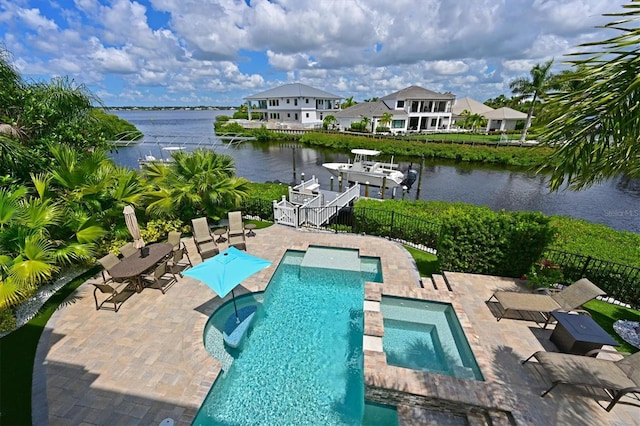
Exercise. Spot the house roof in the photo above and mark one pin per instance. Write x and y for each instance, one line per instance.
(293, 90)
(417, 92)
(471, 105)
(368, 109)
(505, 113)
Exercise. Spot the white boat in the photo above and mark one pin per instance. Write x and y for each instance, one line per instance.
(151, 159)
(363, 170)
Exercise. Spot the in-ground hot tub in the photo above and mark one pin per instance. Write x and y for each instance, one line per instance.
(426, 335)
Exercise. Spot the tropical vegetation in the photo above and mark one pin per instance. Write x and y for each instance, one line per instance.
(536, 87)
(595, 117)
(61, 197)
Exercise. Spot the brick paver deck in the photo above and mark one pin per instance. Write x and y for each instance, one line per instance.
(148, 362)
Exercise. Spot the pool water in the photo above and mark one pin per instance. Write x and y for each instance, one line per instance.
(426, 335)
(301, 361)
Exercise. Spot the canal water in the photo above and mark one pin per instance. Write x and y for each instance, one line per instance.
(615, 203)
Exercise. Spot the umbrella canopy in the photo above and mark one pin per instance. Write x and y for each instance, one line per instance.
(224, 272)
(132, 224)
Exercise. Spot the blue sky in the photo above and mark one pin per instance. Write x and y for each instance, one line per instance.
(215, 52)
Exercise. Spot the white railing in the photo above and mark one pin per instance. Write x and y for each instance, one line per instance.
(285, 213)
(306, 207)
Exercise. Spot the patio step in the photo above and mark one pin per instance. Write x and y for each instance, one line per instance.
(439, 283)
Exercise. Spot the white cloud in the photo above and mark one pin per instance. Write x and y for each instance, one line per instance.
(225, 49)
(35, 21)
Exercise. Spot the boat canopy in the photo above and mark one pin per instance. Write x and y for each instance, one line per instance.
(365, 152)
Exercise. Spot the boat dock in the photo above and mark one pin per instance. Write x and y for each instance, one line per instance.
(311, 206)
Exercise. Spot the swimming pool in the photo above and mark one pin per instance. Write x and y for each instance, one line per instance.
(426, 335)
(301, 362)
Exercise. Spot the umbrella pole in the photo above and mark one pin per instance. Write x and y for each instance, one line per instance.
(235, 307)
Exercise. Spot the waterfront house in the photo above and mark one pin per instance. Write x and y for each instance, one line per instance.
(500, 119)
(414, 109)
(294, 103)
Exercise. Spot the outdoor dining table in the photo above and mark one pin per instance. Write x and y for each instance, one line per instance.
(134, 266)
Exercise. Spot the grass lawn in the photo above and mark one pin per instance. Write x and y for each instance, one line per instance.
(17, 355)
(427, 263)
(605, 314)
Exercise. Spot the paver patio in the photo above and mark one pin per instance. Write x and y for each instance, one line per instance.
(147, 362)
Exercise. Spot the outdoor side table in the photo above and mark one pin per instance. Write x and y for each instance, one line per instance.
(250, 227)
(220, 232)
(578, 334)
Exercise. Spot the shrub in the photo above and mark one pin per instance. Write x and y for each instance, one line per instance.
(382, 129)
(358, 126)
(478, 240)
(222, 118)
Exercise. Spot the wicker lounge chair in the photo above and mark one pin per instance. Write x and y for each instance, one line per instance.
(568, 299)
(617, 378)
(205, 243)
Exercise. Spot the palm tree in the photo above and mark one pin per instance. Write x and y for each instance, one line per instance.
(32, 115)
(365, 122)
(595, 121)
(330, 121)
(195, 184)
(386, 119)
(349, 102)
(541, 81)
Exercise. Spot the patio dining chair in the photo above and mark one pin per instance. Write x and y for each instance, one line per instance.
(177, 263)
(173, 238)
(116, 294)
(108, 261)
(128, 249)
(162, 278)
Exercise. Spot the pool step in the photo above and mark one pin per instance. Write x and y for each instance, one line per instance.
(332, 258)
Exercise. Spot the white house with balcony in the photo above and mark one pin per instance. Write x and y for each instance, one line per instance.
(296, 104)
(412, 109)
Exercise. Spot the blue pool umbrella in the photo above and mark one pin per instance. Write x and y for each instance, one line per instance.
(225, 271)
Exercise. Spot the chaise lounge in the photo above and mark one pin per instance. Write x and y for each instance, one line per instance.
(568, 299)
(203, 239)
(617, 378)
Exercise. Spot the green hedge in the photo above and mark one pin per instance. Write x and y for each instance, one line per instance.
(479, 240)
(498, 155)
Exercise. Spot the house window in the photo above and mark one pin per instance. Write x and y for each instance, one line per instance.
(434, 122)
(295, 102)
(288, 100)
(400, 105)
(306, 101)
(296, 117)
(288, 115)
(398, 124)
(307, 115)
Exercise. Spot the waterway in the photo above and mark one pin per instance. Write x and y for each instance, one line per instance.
(615, 202)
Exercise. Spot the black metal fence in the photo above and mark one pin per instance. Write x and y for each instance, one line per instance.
(618, 280)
